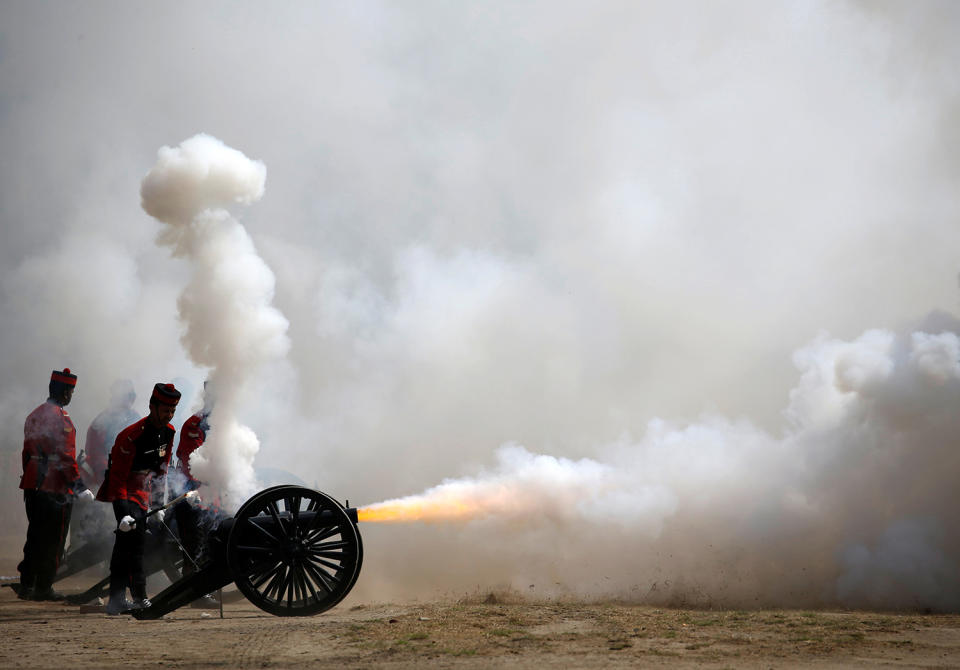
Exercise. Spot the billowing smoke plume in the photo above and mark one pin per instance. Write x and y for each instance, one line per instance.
(854, 504)
(231, 327)
(552, 259)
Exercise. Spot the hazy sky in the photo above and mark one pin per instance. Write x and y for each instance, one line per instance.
(549, 224)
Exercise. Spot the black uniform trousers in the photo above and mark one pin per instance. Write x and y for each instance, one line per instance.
(191, 534)
(48, 520)
(126, 562)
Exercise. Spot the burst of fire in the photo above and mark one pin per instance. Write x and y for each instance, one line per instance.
(417, 509)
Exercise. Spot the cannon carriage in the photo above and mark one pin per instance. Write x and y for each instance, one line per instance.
(291, 550)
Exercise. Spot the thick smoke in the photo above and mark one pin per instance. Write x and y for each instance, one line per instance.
(854, 504)
(231, 327)
(561, 268)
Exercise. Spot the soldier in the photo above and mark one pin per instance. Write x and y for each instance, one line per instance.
(50, 482)
(92, 524)
(138, 461)
(104, 429)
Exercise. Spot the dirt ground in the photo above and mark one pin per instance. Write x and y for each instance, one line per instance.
(483, 630)
(475, 632)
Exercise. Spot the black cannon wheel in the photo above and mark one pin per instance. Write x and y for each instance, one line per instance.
(293, 551)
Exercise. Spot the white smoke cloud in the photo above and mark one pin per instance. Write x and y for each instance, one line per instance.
(230, 325)
(543, 224)
(819, 516)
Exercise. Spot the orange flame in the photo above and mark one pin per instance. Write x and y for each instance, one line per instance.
(406, 510)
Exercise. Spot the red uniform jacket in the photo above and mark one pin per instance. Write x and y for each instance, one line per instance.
(138, 458)
(50, 451)
(192, 436)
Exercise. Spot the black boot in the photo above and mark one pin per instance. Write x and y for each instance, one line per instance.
(47, 594)
(25, 591)
(118, 603)
(139, 595)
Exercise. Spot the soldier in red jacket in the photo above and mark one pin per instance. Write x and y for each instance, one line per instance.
(138, 461)
(51, 481)
(192, 435)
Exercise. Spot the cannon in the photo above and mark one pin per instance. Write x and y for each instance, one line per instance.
(291, 550)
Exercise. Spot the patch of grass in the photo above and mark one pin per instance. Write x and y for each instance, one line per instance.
(461, 652)
(663, 652)
(697, 645)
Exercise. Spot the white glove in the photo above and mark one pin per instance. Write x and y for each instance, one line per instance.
(159, 515)
(127, 524)
(85, 495)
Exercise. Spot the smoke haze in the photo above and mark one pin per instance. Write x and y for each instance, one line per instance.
(231, 327)
(663, 296)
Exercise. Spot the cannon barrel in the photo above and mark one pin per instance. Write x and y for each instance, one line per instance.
(283, 518)
(292, 551)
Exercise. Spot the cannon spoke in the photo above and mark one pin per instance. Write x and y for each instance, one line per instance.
(329, 564)
(322, 534)
(308, 581)
(326, 546)
(317, 507)
(293, 506)
(258, 578)
(314, 580)
(256, 550)
(287, 588)
(263, 566)
(334, 555)
(289, 583)
(261, 579)
(321, 577)
(258, 566)
(263, 530)
(307, 589)
(326, 567)
(275, 585)
(324, 580)
(298, 590)
(275, 513)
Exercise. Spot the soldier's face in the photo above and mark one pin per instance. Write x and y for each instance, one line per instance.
(67, 395)
(161, 414)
